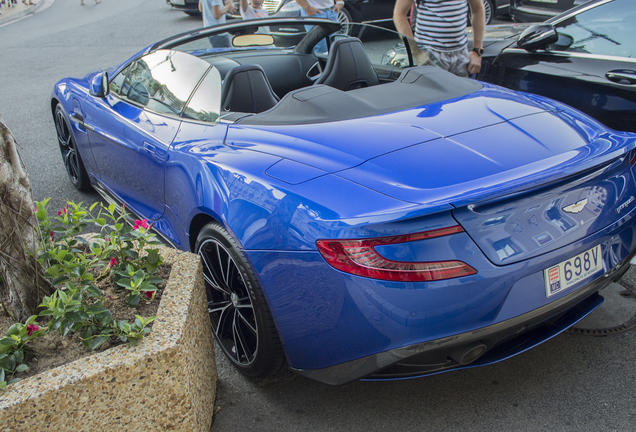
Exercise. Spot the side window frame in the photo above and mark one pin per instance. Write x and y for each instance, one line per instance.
(124, 73)
(157, 92)
(213, 73)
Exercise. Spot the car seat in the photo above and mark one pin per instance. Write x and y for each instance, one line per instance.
(348, 66)
(247, 89)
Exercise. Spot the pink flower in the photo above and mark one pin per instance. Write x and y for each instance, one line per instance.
(62, 211)
(35, 209)
(148, 294)
(141, 224)
(32, 328)
(112, 263)
(52, 236)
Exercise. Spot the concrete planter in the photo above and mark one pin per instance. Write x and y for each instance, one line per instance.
(166, 382)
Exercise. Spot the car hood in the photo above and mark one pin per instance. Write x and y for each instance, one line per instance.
(445, 152)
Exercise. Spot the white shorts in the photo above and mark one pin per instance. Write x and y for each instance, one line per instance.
(453, 61)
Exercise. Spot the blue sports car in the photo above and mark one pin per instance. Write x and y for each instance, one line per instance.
(356, 219)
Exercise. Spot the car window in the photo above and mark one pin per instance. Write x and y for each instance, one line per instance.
(116, 83)
(205, 104)
(162, 81)
(281, 37)
(377, 43)
(607, 29)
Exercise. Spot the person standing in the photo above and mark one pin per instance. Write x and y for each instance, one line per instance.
(254, 10)
(320, 9)
(214, 14)
(440, 29)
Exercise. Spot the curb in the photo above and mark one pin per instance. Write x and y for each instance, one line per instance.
(7, 17)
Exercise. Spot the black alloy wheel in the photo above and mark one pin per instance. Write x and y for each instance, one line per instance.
(71, 157)
(240, 319)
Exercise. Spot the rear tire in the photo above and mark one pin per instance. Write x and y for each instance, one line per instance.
(241, 321)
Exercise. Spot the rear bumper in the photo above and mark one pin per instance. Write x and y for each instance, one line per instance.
(480, 347)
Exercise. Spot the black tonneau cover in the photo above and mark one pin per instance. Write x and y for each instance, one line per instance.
(320, 103)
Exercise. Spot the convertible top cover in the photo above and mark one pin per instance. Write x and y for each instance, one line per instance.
(416, 86)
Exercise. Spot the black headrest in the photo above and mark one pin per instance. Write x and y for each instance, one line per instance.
(348, 66)
(247, 89)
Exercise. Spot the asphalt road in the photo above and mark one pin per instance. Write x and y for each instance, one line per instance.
(571, 383)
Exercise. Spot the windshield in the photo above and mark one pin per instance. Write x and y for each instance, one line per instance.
(384, 47)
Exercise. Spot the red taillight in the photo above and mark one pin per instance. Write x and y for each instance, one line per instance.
(359, 257)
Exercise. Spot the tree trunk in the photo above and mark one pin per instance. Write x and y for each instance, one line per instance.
(22, 285)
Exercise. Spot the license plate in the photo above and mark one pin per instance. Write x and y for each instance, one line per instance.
(572, 271)
(178, 2)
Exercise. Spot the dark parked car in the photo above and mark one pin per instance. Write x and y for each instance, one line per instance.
(540, 10)
(495, 9)
(584, 57)
(356, 219)
(191, 7)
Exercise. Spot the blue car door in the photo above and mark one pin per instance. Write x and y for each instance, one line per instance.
(131, 129)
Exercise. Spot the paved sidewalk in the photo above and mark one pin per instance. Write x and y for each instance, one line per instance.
(19, 10)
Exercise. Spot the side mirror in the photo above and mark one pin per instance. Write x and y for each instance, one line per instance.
(99, 85)
(537, 37)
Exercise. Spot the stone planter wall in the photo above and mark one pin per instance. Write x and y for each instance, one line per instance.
(166, 382)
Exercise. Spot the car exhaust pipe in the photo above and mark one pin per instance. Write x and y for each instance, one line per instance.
(469, 354)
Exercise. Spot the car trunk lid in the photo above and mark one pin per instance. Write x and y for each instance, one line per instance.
(518, 226)
(546, 181)
(339, 145)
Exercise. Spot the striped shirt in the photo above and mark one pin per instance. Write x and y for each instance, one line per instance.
(441, 24)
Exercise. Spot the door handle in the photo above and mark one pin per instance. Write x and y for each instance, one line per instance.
(77, 118)
(622, 76)
(149, 147)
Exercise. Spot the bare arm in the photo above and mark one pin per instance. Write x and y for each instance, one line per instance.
(400, 12)
(478, 17)
(309, 10)
(243, 5)
(402, 25)
(218, 12)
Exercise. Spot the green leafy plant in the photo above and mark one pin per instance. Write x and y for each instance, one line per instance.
(132, 333)
(138, 283)
(69, 311)
(13, 347)
(127, 245)
(120, 251)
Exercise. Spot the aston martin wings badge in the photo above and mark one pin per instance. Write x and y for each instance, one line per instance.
(576, 207)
